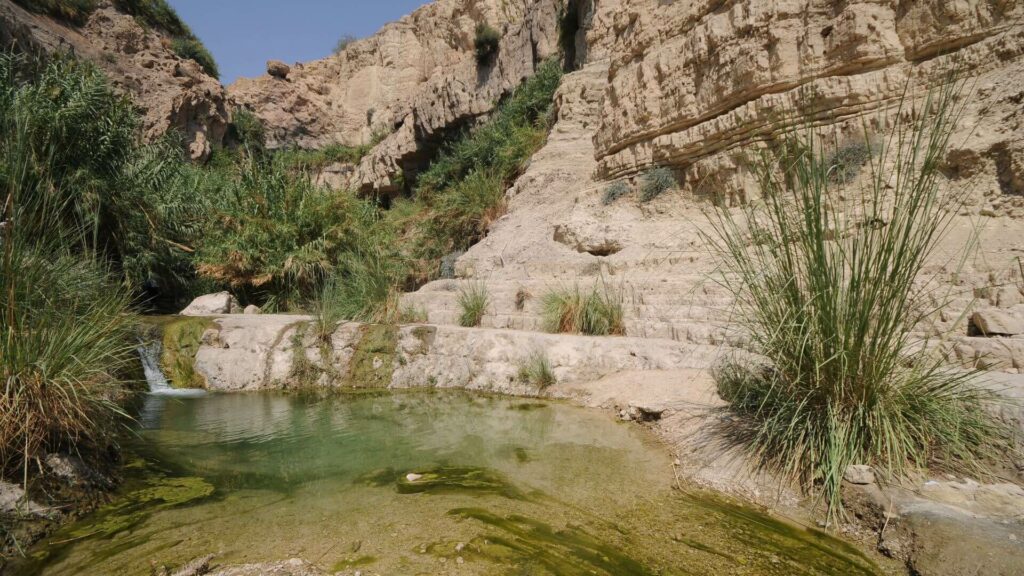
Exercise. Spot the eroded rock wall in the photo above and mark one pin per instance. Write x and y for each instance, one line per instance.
(173, 93)
(691, 83)
(415, 81)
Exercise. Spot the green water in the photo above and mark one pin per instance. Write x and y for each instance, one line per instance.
(500, 486)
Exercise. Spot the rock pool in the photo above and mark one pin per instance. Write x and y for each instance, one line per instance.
(419, 483)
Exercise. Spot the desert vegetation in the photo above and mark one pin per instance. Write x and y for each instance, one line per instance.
(831, 292)
(151, 14)
(594, 312)
(655, 182)
(473, 301)
(486, 42)
(65, 320)
(536, 371)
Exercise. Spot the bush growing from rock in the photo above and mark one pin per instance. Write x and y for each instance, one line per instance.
(473, 301)
(614, 191)
(344, 42)
(486, 42)
(536, 371)
(192, 49)
(655, 182)
(75, 11)
(597, 312)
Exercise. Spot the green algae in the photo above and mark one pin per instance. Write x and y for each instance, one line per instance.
(182, 337)
(373, 361)
(526, 545)
(353, 562)
(445, 480)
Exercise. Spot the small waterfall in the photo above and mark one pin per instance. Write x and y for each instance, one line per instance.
(149, 354)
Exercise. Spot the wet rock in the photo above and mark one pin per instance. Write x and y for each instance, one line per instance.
(992, 322)
(197, 567)
(859, 474)
(293, 567)
(74, 471)
(212, 305)
(13, 501)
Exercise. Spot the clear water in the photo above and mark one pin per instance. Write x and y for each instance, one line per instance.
(504, 486)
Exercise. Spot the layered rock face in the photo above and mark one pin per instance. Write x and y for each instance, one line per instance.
(173, 93)
(412, 83)
(690, 83)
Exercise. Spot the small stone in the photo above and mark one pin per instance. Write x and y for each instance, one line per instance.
(413, 477)
(859, 474)
(252, 309)
(460, 546)
(459, 560)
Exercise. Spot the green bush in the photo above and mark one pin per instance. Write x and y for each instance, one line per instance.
(276, 236)
(846, 382)
(486, 43)
(344, 42)
(473, 301)
(572, 311)
(848, 160)
(192, 49)
(463, 190)
(315, 160)
(536, 371)
(137, 205)
(74, 11)
(655, 182)
(247, 130)
(614, 191)
(157, 14)
(65, 325)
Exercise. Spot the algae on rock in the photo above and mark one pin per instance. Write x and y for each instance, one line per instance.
(182, 338)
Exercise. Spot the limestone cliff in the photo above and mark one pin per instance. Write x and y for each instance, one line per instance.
(688, 82)
(172, 92)
(414, 81)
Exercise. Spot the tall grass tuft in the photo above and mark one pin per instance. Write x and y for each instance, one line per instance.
(64, 324)
(597, 312)
(536, 371)
(830, 288)
(473, 300)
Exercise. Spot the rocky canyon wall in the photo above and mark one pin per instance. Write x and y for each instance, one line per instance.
(173, 93)
(410, 84)
(692, 83)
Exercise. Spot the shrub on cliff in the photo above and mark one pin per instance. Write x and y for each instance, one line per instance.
(832, 287)
(192, 49)
(74, 11)
(463, 190)
(655, 182)
(275, 236)
(486, 42)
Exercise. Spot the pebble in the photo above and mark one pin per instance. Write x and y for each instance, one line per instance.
(413, 477)
(460, 546)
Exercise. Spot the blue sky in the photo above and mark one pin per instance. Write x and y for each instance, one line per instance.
(244, 34)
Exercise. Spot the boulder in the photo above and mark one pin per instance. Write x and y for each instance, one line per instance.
(252, 309)
(859, 474)
(278, 69)
(992, 322)
(212, 305)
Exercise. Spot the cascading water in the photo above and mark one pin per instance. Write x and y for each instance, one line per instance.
(149, 354)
